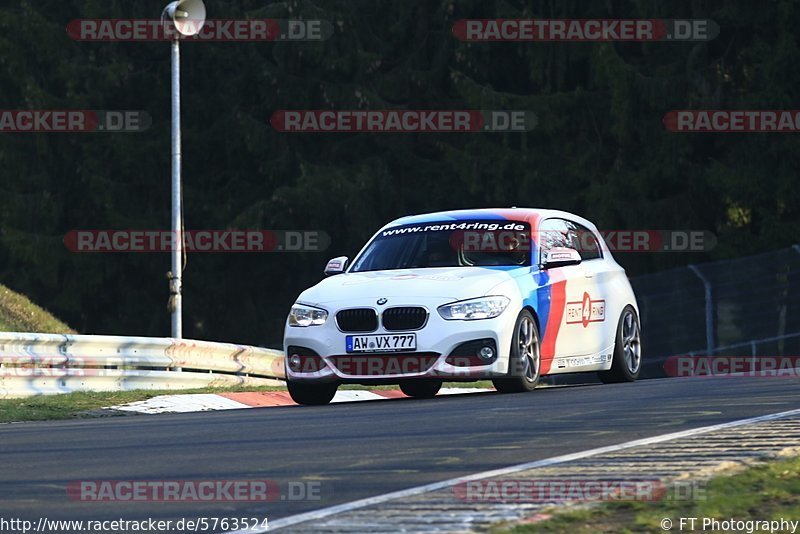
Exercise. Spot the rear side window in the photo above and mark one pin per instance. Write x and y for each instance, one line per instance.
(589, 248)
(555, 233)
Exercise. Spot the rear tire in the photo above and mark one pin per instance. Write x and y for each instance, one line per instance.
(421, 389)
(312, 394)
(626, 363)
(525, 360)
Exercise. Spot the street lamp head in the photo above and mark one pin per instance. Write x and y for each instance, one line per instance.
(188, 16)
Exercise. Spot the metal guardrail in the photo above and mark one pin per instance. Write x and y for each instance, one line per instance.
(768, 347)
(750, 346)
(36, 364)
(721, 306)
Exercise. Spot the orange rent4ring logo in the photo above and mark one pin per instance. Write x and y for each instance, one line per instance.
(586, 311)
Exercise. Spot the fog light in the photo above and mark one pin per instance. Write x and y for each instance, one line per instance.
(294, 362)
(486, 353)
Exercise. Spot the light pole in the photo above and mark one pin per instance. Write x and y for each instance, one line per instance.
(188, 17)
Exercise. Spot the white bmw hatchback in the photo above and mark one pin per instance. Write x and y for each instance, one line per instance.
(505, 294)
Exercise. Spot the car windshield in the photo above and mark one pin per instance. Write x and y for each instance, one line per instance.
(448, 244)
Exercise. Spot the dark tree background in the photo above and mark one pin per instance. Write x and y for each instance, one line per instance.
(600, 148)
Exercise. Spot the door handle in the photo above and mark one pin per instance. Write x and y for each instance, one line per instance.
(588, 274)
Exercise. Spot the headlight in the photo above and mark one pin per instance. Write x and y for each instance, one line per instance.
(301, 315)
(469, 310)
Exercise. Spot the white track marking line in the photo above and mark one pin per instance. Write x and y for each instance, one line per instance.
(462, 391)
(201, 402)
(378, 499)
(192, 402)
(350, 395)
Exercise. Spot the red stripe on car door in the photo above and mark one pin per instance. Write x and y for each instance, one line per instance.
(557, 301)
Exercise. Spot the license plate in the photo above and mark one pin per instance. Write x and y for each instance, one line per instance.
(381, 343)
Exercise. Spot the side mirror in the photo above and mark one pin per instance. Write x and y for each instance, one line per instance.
(560, 257)
(336, 266)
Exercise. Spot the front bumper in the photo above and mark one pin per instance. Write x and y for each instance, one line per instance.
(437, 340)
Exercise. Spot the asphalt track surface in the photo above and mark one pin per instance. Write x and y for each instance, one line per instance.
(354, 450)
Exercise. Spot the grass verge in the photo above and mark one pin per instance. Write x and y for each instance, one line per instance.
(769, 491)
(19, 314)
(71, 405)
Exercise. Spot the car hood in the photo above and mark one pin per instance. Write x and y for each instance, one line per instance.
(442, 282)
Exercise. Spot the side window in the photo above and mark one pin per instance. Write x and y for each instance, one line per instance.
(554, 233)
(588, 247)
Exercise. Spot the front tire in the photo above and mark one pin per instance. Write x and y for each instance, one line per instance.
(421, 389)
(310, 393)
(626, 364)
(524, 365)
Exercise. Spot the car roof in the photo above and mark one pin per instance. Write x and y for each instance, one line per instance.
(530, 215)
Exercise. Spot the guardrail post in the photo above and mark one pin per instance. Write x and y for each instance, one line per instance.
(175, 303)
(709, 309)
